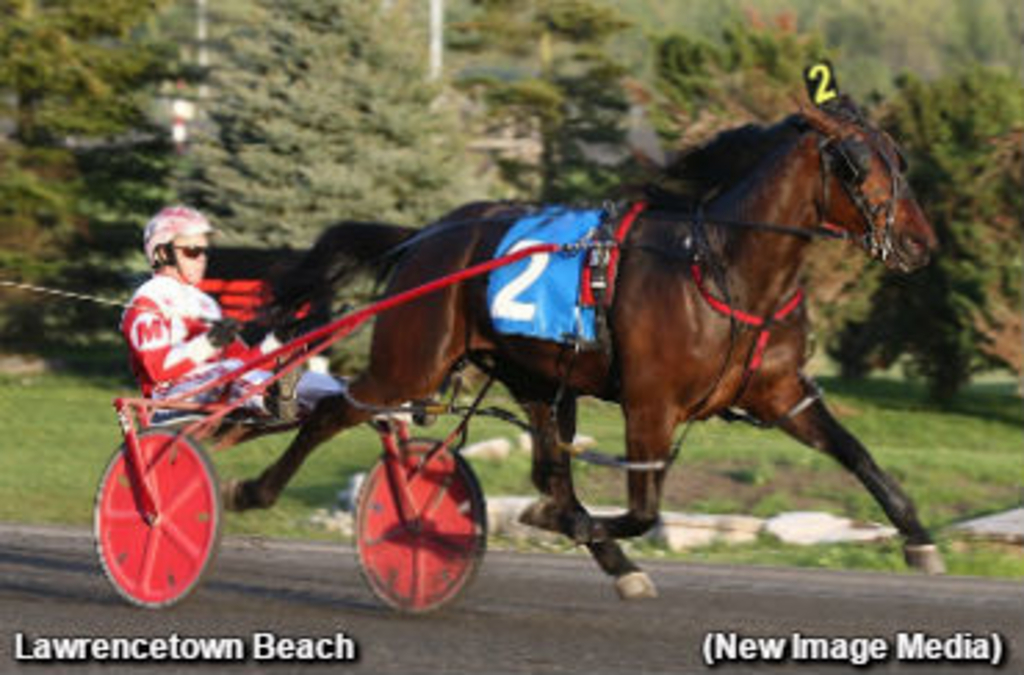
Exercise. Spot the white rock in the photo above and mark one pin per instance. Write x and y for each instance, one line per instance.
(349, 497)
(525, 442)
(1007, 527)
(504, 511)
(680, 531)
(584, 441)
(812, 527)
(333, 521)
(492, 449)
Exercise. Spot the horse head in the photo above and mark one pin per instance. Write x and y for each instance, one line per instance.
(879, 209)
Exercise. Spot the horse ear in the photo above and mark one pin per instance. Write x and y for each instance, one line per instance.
(820, 120)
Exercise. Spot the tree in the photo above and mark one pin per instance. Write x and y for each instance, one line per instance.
(321, 111)
(957, 315)
(76, 85)
(563, 91)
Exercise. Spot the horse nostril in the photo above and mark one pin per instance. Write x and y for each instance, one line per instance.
(915, 248)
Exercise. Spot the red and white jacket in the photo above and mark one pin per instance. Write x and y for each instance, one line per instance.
(165, 327)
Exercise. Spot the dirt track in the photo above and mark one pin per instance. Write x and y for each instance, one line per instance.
(525, 613)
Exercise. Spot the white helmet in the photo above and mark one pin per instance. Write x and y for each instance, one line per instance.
(170, 223)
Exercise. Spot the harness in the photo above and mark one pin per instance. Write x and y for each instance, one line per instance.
(843, 153)
(764, 323)
(597, 288)
(599, 277)
(601, 268)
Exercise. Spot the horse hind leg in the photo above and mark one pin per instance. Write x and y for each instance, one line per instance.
(331, 416)
(558, 509)
(402, 368)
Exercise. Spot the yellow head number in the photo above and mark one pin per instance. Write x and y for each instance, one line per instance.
(821, 83)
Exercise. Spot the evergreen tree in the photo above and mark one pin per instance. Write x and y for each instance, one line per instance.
(76, 140)
(959, 314)
(566, 91)
(320, 111)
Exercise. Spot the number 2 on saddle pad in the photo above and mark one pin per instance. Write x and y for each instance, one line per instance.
(539, 297)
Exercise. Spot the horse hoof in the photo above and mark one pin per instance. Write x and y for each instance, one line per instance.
(924, 557)
(635, 586)
(540, 514)
(230, 491)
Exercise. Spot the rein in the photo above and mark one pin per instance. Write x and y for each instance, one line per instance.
(68, 295)
(825, 230)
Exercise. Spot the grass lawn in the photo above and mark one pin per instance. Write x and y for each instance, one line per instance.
(57, 433)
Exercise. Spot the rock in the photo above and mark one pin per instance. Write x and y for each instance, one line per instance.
(584, 441)
(334, 520)
(494, 449)
(502, 512)
(349, 497)
(525, 442)
(811, 527)
(1004, 527)
(20, 366)
(681, 531)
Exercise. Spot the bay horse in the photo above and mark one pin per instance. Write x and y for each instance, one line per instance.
(704, 276)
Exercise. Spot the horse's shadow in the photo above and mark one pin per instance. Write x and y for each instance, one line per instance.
(994, 402)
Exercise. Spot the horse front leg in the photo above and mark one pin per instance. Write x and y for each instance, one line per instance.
(648, 437)
(815, 426)
(559, 510)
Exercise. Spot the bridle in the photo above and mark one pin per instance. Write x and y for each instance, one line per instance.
(847, 158)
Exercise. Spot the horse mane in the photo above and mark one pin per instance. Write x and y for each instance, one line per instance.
(702, 172)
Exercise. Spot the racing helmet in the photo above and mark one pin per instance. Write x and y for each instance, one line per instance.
(170, 223)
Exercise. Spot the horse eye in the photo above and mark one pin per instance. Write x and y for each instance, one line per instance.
(860, 155)
(855, 160)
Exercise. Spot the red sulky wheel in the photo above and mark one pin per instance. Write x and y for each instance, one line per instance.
(157, 564)
(422, 564)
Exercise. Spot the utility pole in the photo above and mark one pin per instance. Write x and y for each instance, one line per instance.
(203, 56)
(1021, 385)
(436, 38)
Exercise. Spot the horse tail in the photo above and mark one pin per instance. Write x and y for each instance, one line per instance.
(341, 253)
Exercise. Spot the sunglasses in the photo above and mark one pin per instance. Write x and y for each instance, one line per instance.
(193, 252)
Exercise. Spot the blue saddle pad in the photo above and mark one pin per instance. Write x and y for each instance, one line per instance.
(539, 296)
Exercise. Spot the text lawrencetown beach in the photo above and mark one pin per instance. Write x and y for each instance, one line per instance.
(260, 646)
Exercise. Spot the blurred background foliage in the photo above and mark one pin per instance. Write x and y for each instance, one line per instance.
(321, 111)
(314, 111)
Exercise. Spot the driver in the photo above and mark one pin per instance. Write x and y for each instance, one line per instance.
(177, 336)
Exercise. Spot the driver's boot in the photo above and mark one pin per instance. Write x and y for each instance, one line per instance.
(282, 400)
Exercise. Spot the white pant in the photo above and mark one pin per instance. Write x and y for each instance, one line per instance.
(311, 387)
